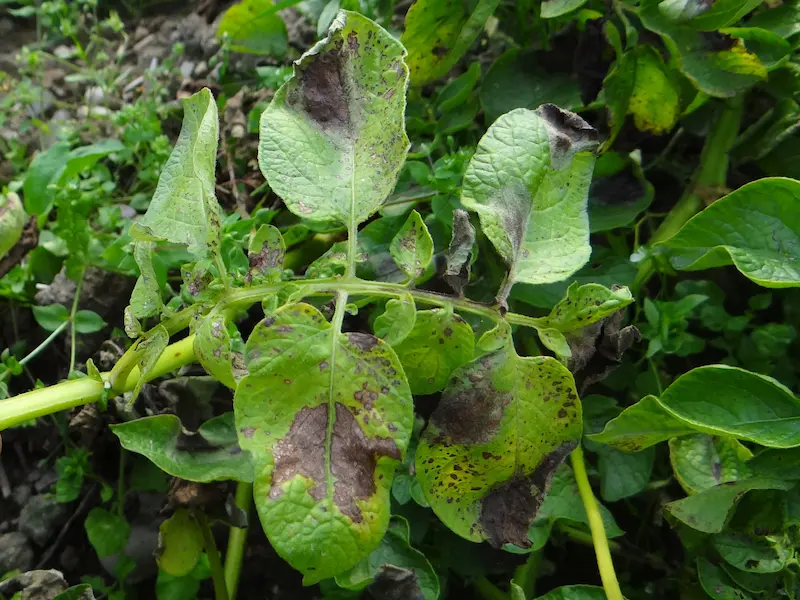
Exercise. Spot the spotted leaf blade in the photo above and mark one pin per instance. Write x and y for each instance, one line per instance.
(412, 247)
(333, 138)
(214, 348)
(327, 417)
(529, 183)
(503, 426)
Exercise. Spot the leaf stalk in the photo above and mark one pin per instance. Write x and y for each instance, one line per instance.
(237, 540)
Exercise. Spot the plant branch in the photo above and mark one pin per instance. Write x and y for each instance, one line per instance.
(711, 175)
(214, 560)
(237, 539)
(488, 590)
(76, 392)
(599, 539)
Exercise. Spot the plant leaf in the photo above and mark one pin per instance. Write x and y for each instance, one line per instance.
(147, 351)
(12, 221)
(528, 181)
(730, 231)
(44, 167)
(752, 553)
(439, 32)
(575, 592)
(440, 342)
(255, 27)
(418, 579)
(716, 582)
(502, 427)
(87, 321)
(265, 253)
(723, 400)
(701, 461)
(210, 454)
(333, 138)
(459, 253)
(107, 532)
(397, 321)
(556, 8)
(707, 16)
(180, 544)
(326, 453)
(184, 208)
(623, 475)
(412, 247)
(214, 349)
(50, 317)
(585, 304)
(146, 296)
(640, 426)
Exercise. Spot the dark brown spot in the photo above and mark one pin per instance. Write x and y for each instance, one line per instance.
(395, 583)
(562, 414)
(362, 341)
(321, 91)
(302, 452)
(248, 432)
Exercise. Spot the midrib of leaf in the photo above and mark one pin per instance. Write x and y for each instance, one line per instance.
(352, 228)
(338, 319)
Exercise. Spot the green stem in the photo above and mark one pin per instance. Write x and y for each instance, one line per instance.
(599, 539)
(76, 392)
(237, 539)
(32, 354)
(525, 575)
(488, 590)
(72, 324)
(711, 174)
(121, 483)
(214, 560)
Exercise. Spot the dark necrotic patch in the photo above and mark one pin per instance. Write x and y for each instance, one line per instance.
(321, 90)
(302, 451)
(508, 510)
(395, 583)
(362, 341)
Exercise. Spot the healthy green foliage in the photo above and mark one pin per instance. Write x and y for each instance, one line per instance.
(12, 220)
(180, 544)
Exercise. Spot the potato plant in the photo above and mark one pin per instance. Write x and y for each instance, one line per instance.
(327, 435)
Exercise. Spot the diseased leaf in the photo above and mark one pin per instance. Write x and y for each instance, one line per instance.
(723, 400)
(107, 532)
(333, 138)
(707, 16)
(716, 583)
(394, 570)
(12, 221)
(326, 452)
(397, 321)
(215, 351)
(439, 32)
(76, 592)
(265, 253)
(702, 461)
(709, 510)
(752, 553)
(618, 194)
(583, 305)
(212, 453)
(731, 231)
(412, 247)
(459, 254)
(184, 208)
(180, 544)
(255, 27)
(146, 296)
(528, 181)
(147, 351)
(440, 342)
(640, 426)
(503, 426)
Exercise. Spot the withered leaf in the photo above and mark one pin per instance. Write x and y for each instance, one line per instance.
(459, 254)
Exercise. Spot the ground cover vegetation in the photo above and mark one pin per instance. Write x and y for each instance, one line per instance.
(399, 300)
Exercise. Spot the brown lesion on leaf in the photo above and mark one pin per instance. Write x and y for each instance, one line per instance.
(363, 341)
(508, 510)
(395, 583)
(269, 258)
(568, 134)
(321, 89)
(302, 452)
(471, 408)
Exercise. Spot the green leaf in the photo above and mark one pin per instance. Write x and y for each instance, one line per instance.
(701, 461)
(439, 32)
(707, 16)
(50, 317)
(752, 553)
(255, 27)
(184, 208)
(641, 85)
(332, 147)
(397, 321)
(182, 588)
(394, 564)
(709, 510)
(717, 66)
(440, 342)
(87, 321)
(783, 19)
(502, 427)
(769, 47)
(326, 453)
(623, 475)
(723, 400)
(517, 80)
(212, 453)
(107, 532)
(640, 426)
(81, 160)
(585, 304)
(528, 181)
(516, 592)
(76, 592)
(180, 544)
(459, 90)
(556, 8)
(215, 351)
(44, 168)
(575, 592)
(459, 253)
(147, 351)
(146, 296)
(730, 231)
(412, 247)
(265, 253)
(716, 582)
(12, 221)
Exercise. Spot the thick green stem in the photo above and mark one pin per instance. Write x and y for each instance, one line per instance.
(525, 575)
(711, 175)
(214, 560)
(604, 563)
(237, 540)
(488, 590)
(76, 392)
